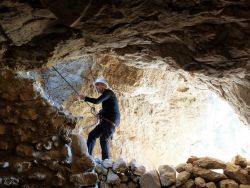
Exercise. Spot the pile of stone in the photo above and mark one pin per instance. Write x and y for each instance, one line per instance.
(36, 145)
(115, 174)
(200, 172)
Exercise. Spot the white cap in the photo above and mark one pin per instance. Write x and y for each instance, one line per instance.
(101, 80)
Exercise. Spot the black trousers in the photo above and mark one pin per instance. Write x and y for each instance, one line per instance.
(104, 130)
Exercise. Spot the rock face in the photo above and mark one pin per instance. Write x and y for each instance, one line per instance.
(189, 35)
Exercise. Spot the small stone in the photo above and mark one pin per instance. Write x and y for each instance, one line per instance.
(83, 164)
(4, 145)
(150, 180)
(132, 165)
(188, 184)
(167, 175)
(200, 182)
(228, 184)
(209, 163)
(37, 176)
(48, 145)
(182, 178)
(9, 181)
(207, 174)
(180, 167)
(236, 173)
(241, 161)
(84, 179)
(210, 185)
(38, 146)
(192, 159)
(189, 167)
(4, 164)
(21, 166)
(107, 163)
(25, 150)
(78, 145)
(113, 178)
(120, 166)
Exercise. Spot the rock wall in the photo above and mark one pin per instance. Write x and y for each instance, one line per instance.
(36, 144)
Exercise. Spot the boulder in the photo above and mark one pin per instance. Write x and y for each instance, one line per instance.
(21, 166)
(228, 184)
(120, 166)
(239, 160)
(200, 182)
(209, 163)
(150, 180)
(82, 164)
(210, 185)
(78, 145)
(113, 178)
(236, 173)
(182, 178)
(167, 175)
(207, 174)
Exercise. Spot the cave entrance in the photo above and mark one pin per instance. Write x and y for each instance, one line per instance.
(166, 117)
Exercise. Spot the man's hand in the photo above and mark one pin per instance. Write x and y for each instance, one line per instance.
(82, 97)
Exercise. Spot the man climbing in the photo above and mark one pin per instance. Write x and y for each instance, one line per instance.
(109, 118)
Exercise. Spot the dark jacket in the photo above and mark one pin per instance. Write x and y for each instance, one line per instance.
(110, 107)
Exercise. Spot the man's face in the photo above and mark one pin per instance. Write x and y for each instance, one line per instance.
(100, 87)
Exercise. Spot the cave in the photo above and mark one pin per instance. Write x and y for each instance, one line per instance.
(180, 70)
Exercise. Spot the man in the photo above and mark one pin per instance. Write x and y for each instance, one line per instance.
(109, 118)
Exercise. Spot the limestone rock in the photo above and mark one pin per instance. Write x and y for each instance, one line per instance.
(9, 181)
(120, 166)
(188, 184)
(228, 184)
(209, 163)
(78, 145)
(182, 178)
(4, 164)
(25, 150)
(107, 163)
(180, 167)
(83, 164)
(210, 185)
(21, 166)
(167, 175)
(236, 173)
(113, 178)
(189, 167)
(208, 175)
(200, 182)
(48, 145)
(37, 176)
(150, 180)
(84, 179)
(241, 161)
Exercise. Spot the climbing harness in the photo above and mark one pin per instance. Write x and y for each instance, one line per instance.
(92, 109)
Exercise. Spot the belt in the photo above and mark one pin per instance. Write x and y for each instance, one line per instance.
(111, 122)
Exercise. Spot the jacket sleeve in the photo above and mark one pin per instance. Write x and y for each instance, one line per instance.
(103, 97)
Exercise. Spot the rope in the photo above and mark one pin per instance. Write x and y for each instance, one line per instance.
(92, 109)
